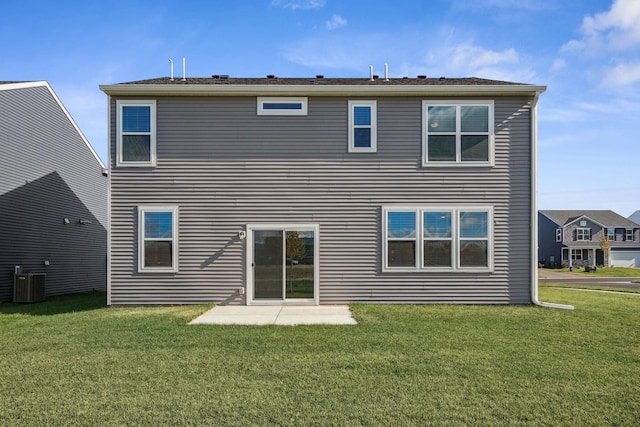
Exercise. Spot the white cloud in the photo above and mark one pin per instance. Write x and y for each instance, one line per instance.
(468, 55)
(623, 74)
(299, 4)
(616, 30)
(558, 65)
(409, 54)
(335, 22)
(613, 35)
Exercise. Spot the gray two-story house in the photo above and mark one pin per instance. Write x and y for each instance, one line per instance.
(53, 195)
(322, 190)
(571, 238)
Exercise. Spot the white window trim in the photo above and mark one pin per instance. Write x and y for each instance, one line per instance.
(580, 234)
(628, 233)
(458, 163)
(576, 254)
(261, 111)
(374, 126)
(455, 239)
(558, 234)
(611, 234)
(142, 209)
(135, 103)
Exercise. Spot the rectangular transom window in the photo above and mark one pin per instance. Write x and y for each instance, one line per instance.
(583, 234)
(437, 239)
(136, 133)
(158, 239)
(363, 127)
(458, 133)
(280, 106)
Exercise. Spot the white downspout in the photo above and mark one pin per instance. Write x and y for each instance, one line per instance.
(534, 210)
(109, 200)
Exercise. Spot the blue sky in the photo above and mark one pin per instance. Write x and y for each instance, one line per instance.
(587, 52)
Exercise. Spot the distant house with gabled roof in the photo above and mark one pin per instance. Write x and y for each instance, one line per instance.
(572, 238)
(635, 217)
(53, 194)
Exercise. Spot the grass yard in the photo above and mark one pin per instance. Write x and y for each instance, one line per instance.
(71, 361)
(603, 272)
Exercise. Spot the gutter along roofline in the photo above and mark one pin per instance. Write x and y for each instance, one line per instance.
(324, 90)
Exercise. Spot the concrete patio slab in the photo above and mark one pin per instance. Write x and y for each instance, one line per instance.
(276, 315)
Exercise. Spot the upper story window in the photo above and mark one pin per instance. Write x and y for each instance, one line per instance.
(458, 133)
(437, 239)
(611, 234)
(558, 234)
(136, 133)
(158, 239)
(363, 127)
(629, 235)
(280, 106)
(583, 234)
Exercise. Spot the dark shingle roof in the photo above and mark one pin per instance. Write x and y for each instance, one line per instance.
(322, 81)
(604, 217)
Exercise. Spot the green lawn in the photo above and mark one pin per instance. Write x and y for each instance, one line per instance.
(70, 361)
(595, 287)
(604, 272)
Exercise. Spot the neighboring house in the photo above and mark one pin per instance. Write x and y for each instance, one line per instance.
(573, 238)
(635, 217)
(322, 190)
(53, 194)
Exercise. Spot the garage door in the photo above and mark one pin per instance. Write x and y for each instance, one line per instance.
(625, 259)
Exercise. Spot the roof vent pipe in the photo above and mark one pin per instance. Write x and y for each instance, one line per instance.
(171, 67)
(184, 69)
(371, 72)
(386, 72)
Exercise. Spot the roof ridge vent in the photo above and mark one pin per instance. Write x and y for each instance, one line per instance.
(271, 76)
(319, 76)
(422, 76)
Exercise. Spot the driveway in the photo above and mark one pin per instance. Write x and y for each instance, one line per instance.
(546, 275)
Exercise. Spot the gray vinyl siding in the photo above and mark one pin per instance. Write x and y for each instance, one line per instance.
(48, 173)
(225, 167)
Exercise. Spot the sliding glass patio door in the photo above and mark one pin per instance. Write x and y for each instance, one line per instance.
(284, 266)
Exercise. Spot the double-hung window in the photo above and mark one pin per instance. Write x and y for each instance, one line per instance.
(583, 234)
(611, 234)
(363, 127)
(158, 239)
(558, 234)
(437, 239)
(458, 133)
(136, 133)
(576, 254)
(401, 238)
(629, 235)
